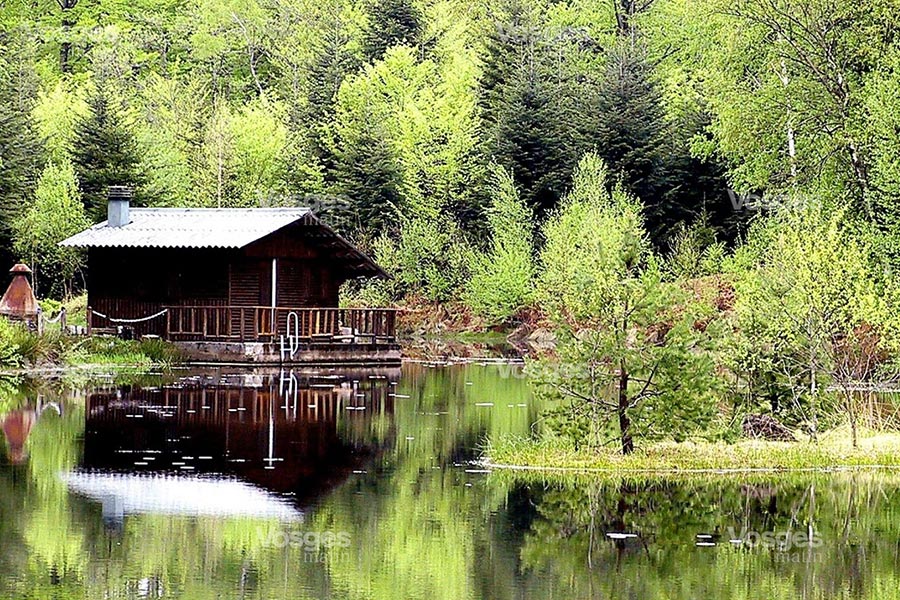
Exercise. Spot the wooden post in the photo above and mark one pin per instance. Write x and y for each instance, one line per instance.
(90, 317)
(63, 325)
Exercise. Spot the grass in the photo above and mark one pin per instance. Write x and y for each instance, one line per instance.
(22, 349)
(833, 450)
(113, 351)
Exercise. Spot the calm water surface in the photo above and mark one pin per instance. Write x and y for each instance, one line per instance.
(358, 484)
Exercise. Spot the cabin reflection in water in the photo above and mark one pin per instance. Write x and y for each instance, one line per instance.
(248, 444)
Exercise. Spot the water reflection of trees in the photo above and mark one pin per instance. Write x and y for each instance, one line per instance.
(855, 516)
(417, 529)
(421, 527)
(43, 540)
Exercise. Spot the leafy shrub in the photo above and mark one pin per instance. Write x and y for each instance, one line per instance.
(9, 349)
(20, 346)
(432, 257)
(428, 260)
(109, 350)
(501, 281)
(50, 306)
(376, 291)
(31, 348)
(694, 252)
(803, 281)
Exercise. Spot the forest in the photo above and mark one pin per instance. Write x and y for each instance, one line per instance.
(702, 186)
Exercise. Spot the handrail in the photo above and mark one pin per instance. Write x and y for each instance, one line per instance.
(268, 324)
(294, 308)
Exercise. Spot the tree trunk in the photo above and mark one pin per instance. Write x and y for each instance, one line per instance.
(813, 398)
(65, 48)
(791, 139)
(624, 421)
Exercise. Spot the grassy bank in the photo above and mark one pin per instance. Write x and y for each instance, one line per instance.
(21, 349)
(832, 450)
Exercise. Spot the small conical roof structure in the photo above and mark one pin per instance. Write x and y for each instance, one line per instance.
(16, 426)
(19, 302)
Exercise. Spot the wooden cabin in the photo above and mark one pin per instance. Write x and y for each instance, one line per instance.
(232, 284)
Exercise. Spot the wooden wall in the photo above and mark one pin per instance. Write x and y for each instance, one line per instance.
(308, 275)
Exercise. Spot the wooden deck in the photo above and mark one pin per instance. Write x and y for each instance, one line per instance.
(260, 334)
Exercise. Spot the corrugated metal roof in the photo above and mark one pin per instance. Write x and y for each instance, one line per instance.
(189, 228)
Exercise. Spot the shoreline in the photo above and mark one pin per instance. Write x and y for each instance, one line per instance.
(833, 452)
(551, 470)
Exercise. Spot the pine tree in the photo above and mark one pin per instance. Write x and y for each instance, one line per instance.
(630, 126)
(698, 190)
(391, 22)
(367, 175)
(652, 157)
(534, 106)
(332, 63)
(20, 154)
(105, 153)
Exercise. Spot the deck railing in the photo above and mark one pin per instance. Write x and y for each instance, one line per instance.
(267, 324)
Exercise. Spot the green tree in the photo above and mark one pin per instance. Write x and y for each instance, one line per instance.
(260, 139)
(367, 174)
(882, 110)
(786, 84)
(56, 114)
(391, 23)
(333, 61)
(648, 151)
(105, 152)
(57, 213)
(230, 39)
(502, 278)
(20, 150)
(404, 140)
(171, 140)
(629, 349)
(535, 100)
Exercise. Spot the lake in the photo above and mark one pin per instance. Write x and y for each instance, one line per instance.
(361, 484)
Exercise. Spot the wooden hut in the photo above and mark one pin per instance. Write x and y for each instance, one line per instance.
(257, 284)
